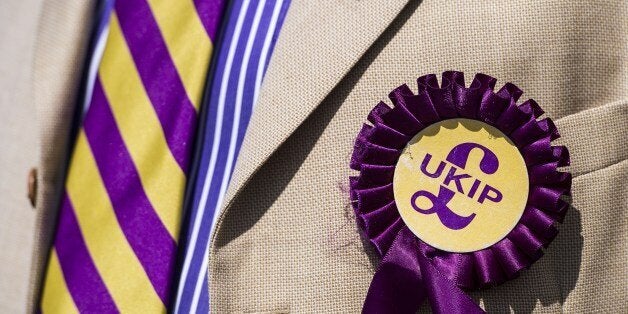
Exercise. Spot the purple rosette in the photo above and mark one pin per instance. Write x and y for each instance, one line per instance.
(411, 270)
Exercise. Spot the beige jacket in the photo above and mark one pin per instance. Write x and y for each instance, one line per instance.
(286, 240)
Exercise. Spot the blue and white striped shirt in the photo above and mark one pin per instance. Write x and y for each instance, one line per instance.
(248, 37)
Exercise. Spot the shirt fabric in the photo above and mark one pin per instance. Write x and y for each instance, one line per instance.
(249, 33)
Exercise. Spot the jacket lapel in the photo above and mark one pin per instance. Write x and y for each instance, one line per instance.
(319, 43)
(64, 29)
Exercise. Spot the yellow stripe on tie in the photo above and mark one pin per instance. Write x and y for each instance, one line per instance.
(56, 297)
(188, 43)
(114, 258)
(162, 178)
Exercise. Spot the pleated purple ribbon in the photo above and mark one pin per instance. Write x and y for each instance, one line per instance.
(412, 271)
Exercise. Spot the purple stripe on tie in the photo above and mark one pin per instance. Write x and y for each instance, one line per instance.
(159, 76)
(144, 231)
(210, 12)
(81, 276)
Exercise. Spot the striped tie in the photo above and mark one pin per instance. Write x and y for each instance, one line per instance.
(116, 239)
(249, 35)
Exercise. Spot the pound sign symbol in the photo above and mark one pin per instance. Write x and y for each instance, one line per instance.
(450, 219)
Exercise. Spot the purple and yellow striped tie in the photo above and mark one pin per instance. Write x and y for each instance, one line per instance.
(116, 239)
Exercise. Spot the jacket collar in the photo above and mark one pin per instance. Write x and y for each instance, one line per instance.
(319, 43)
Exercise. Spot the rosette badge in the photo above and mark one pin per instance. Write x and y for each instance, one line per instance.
(459, 188)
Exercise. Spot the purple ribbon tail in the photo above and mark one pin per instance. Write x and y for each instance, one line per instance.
(405, 278)
(443, 294)
(396, 286)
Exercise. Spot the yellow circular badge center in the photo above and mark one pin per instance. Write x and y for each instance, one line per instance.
(461, 185)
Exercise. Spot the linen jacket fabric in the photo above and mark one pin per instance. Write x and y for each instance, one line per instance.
(19, 152)
(286, 240)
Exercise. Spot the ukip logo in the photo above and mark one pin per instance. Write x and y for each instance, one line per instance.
(457, 158)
